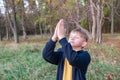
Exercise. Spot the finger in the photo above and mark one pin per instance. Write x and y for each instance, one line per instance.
(58, 24)
(56, 29)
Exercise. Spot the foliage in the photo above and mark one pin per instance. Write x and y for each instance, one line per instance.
(84, 24)
(70, 4)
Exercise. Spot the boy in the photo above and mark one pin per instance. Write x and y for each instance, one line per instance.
(72, 61)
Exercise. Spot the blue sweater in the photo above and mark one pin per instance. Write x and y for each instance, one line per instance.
(78, 60)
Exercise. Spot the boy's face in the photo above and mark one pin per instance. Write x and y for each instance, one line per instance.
(77, 40)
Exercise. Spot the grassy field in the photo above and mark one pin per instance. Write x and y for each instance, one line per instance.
(24, 61)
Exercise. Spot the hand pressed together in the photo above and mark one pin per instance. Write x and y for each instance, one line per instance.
(60, 31)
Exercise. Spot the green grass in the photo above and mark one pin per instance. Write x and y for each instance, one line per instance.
(24, 62)
(105, 62)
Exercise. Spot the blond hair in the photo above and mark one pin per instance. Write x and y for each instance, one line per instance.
(84, 35)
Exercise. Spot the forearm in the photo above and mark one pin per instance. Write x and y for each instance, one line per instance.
(54, 38)
(67, 49)
(48, 52)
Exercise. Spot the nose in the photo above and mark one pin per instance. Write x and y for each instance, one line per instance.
(71, 39)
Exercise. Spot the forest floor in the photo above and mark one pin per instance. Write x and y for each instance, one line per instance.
(107, 40)
(113, 40)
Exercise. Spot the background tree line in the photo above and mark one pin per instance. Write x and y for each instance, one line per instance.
(39, 17)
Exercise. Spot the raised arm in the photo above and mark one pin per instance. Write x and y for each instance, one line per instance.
(48, 52)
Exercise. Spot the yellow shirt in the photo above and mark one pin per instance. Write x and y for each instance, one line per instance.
(67, 75)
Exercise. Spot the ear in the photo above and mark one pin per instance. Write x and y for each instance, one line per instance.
(84, 44)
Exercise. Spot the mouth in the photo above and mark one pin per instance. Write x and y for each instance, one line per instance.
(71, 42)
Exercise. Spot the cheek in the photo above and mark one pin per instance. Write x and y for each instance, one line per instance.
(78, 42)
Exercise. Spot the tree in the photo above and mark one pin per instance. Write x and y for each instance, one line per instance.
(112, 17)
(41, 16)
(23, 20)
(111, 8)
(1, 26)
(97, 17)
(52, 6)
(75, 12)
(32, 13)
(11, 17)
(93, 19)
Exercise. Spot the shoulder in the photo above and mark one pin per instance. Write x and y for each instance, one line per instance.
(84, 54)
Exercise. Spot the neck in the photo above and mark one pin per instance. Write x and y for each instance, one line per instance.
(77, 49)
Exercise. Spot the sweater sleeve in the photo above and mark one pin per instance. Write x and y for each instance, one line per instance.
(49, 54)
(79, 59)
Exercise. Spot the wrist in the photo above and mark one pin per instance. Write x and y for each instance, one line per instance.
(61, 37)
(54, 39)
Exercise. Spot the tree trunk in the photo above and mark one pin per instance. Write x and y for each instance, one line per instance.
(0, 36)
(15, 32)
(23, 21)
(99, 25)
(7, 33)
(12, 18)
(41, 30)
(112, 18)
(10, 23)
(35, 30)
(93, 19)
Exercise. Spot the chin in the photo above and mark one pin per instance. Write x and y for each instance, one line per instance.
(72, 44)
